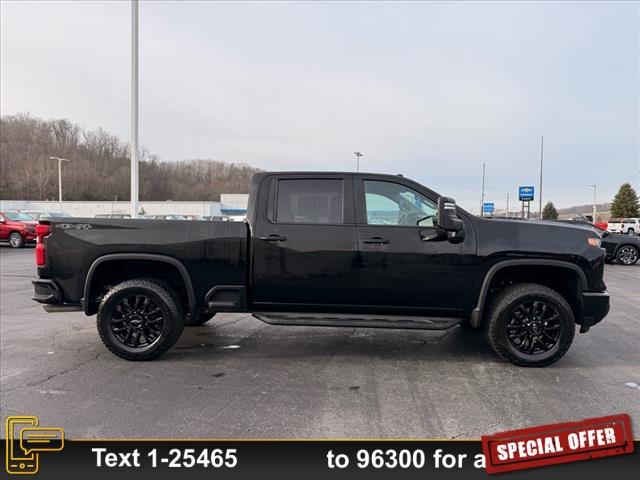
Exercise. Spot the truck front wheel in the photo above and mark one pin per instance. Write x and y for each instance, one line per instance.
(139, 319)
(530, 325)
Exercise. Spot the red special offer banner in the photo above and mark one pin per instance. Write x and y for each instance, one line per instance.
(559, 443)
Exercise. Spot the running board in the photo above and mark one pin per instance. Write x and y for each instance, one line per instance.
(355, 320)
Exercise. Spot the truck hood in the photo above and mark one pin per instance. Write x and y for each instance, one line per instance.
(547, 238)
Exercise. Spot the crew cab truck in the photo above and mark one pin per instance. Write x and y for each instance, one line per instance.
(329, 249)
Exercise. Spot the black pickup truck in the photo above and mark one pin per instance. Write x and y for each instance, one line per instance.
(329, 249)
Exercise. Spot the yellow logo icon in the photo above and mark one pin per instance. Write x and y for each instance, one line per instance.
(25, 441)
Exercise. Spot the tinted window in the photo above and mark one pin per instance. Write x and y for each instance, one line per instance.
(390, 203)
(309, 201)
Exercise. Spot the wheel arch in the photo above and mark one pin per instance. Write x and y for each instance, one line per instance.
(87, 303)
(514, 265)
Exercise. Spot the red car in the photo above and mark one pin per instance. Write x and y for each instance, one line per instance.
(18, 228)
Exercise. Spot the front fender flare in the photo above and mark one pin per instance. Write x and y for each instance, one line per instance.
(476, 314)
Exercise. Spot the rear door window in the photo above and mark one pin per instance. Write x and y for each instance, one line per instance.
(317, 201)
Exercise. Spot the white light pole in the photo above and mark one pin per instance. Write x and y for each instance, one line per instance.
(358, 155)
(594, 203)
(60, 160)
(134, 108)
(482, 196)
(507, 204)
(540, 186)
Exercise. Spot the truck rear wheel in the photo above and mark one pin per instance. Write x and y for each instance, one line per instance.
(139, 319)
(530, 325)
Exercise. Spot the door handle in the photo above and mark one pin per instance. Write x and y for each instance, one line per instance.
(273, 238)
(375, 240)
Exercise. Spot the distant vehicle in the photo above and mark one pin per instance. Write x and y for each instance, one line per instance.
(217, 218)
(630, 226)
(18, 228)
(581, 217)
(41, 215)
(602, 225)
(113, 215)
(194, 217)
(166, 217)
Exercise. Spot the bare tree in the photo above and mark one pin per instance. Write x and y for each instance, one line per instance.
(100, 166)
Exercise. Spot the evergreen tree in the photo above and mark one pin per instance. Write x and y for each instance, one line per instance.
(625, 203)
(549, 212)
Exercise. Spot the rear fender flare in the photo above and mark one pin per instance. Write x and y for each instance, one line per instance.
(191, 297)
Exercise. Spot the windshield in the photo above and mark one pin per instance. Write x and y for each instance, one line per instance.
(18, 217)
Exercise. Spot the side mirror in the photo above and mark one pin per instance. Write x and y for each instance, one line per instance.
(449, 221)
(2, 220)
(447, 216)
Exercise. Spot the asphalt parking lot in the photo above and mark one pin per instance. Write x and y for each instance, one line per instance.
(239, 378)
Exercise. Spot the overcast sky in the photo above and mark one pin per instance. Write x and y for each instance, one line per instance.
(430, 90)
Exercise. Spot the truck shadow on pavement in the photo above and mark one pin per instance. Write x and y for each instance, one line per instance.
(456, 344)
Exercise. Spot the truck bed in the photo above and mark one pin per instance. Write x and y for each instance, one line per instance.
(211, 252)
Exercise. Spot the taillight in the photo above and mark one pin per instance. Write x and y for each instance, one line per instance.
(42, 230)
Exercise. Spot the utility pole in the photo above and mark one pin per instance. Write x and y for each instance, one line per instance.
(134, 109)
(60, 160)
(507, 204)
(482, 198)
(358, 155)
(540, 186)
(594, 202)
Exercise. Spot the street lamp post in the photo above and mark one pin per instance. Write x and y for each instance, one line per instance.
(482, 196)
(594, 203)
(540, 187)
(358, 155)
(60, 160)
(507, 204)
(134, 109)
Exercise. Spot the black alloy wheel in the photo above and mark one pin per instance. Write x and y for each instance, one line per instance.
(137, 321)
(529, 324)
(534, 327)
(627, 255)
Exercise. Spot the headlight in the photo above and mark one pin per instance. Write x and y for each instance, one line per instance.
(594, 242)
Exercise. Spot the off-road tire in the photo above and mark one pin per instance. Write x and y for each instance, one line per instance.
(162, 297)
(502, 311)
